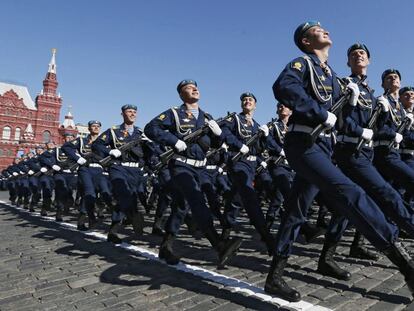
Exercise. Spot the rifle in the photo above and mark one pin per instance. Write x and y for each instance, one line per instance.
(192, 137)
(404, 124)
(252, 140)
(371, 122)
(125, 147)
(335, 109)
(276, 161)
(87, 156)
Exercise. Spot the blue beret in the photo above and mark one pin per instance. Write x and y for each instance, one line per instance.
(184, 83)
(300, 31)
(248, 94)
(69, 134)
(358, 46)
(90, 123)
(39, 147)
(125, 107)
(389, 71)
(405, 89)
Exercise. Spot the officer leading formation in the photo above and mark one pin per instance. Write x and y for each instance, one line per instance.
(333, 142)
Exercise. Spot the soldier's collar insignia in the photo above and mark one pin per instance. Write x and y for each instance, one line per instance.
(323, 78)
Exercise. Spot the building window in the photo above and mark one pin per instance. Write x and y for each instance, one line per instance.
(46, 136)
(17, 133)
(6, 132)
(1, 152)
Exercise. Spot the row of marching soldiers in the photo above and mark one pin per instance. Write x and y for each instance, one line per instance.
(333, 138)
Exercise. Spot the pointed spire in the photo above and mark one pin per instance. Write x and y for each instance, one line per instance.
(29, 128)
(52, 64)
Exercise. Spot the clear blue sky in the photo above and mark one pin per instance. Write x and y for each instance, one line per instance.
(112, 53)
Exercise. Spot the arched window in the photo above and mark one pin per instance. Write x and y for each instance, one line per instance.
(17, 133)
(6, 132)
(46, 136)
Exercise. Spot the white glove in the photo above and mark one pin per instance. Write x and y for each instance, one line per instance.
(244, 149)
(353, 101)
(264, 164)
(30, 172)
(367, 134)
(81, 161)
(180, 145)
(116, 153)
(15, 173)
(265, 129)
(21, 173)
(411, 117)
(330, 121)
(214, 127)
(43, 169)
(56, 168)
(220, 170)
(385, 104)
(282, 153)
(398, 138)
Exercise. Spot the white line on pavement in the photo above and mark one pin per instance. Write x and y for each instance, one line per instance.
(229, 283)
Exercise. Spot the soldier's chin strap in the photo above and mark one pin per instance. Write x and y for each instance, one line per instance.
(323, 98)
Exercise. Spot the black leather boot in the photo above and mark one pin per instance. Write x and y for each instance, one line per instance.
(225, 249)
(137, 222)
(58, 216)
(82, 219)
(157, 227)
(328, 266)
(166, 250)
(113, 233)
(310, 232)
(225, 234)
(358, 250)
(268, 239)
(46, 205)
(275, 284)
(400, 257)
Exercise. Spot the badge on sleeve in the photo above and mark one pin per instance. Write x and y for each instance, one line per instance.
(103, 137)
(162, 117)
(297, 66)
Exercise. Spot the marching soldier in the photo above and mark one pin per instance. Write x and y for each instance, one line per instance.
(238, 131)
(34, 167)
(357, 164)
(126, 170)
(47, 161)
(309, 87)
(90, 172)
(170, 128)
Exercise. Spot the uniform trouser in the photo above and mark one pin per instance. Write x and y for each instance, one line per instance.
(34, 188)
(315, 171)
(125, 186)
(24, 189)
(361, 171)
(64, 185)
(282, 178)
(392, 168)
(187, 182)
(165, 188)
(242, 176)
(409, 160)
(47, 185)
(92, 181)
(208, 181)
(11, 185)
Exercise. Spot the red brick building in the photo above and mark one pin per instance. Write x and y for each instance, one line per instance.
(25, 123)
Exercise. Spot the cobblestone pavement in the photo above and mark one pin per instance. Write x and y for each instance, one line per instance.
(47, 266)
